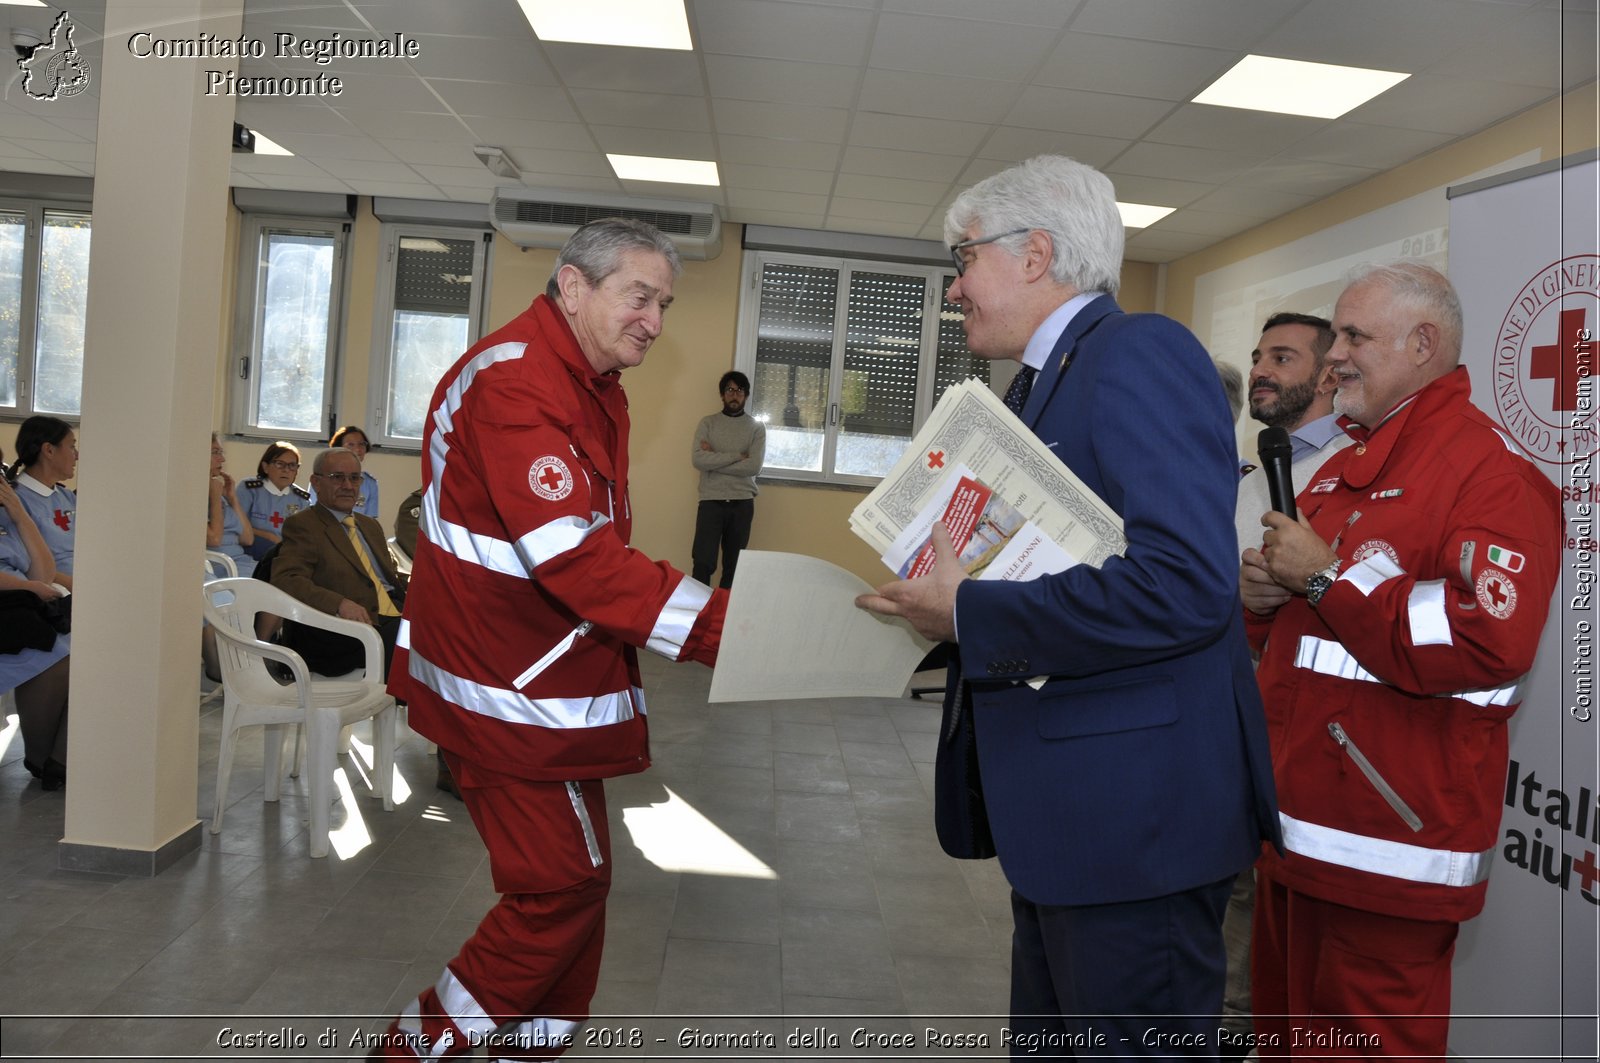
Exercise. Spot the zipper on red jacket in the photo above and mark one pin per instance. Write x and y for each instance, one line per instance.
(1378, 782)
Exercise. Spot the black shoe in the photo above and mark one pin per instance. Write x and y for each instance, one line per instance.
(53, 776)
(33, 769)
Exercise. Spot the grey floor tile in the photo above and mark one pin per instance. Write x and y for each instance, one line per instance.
(637, 925)
(719, 978)
(360, 986)
(720, 908)
(877, 760)
(818, 773)
(817, 817)
(70, 969)
(856, 728)
(789, 736)
(825, 875)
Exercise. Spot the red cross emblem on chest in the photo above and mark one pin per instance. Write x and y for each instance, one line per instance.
(276, 520)
(62, 520)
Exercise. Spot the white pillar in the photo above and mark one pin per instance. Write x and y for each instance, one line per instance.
(150, 356)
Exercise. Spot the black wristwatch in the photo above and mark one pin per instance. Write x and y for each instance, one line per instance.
(1317, 583)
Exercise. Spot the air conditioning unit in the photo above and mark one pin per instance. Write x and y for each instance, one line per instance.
(532, 217)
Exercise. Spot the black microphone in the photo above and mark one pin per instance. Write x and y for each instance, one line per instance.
(1276, 453)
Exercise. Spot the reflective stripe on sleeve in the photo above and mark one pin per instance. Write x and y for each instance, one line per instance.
(508, 705)
(1372, 572)
(1330, 658)
(1425, 612)
(1379, 856)
(677, 617)
(557, 537)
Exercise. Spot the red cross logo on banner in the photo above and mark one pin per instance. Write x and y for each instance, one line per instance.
(276, 520)
(935, 459)
(1566, 361)
(62, 520)
(550, 478)
(1587, 872)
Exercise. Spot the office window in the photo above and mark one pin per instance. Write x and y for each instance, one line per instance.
(44, 288)
(291, 280)
(430, 310)
(846, 358)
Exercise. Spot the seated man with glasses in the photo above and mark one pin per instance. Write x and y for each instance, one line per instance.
(337, 560)
(271, 496)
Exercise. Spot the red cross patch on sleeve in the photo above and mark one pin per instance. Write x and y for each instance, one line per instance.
(550, 478)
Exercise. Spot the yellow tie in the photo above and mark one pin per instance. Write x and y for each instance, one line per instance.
(385, 603)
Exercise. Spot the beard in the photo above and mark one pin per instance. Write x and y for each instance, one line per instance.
(1287, 406)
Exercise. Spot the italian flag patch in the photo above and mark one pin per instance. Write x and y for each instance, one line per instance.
(1509, 560)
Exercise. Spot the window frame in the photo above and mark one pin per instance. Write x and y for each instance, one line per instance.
(245, 360)
(34, 212)
(936, 281)
(381, 366)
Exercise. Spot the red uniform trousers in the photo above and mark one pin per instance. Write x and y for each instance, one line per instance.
(1338, 982)
(524, 979)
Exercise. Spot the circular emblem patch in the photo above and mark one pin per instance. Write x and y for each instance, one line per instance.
(550, 478)
(1375, 546)
(1496, 593)
(1544, 361)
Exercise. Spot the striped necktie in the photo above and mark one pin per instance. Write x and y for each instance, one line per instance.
(385, 603)
(1017, 394)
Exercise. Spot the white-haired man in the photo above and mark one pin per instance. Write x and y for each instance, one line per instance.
(1396, 619)
(517, 653)
(1124, 794)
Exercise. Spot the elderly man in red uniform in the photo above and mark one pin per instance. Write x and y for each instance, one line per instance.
(517, 652)
(1396, 620)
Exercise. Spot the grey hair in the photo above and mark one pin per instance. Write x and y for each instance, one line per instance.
(1420, 288)
(1074, 203)
(596, 249)
(1232, 385)
(322, 460)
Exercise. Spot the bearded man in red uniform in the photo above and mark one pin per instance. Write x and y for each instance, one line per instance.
(517, 653)
(1396, 621)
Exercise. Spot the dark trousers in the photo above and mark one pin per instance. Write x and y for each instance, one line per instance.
(1137, 978)
(724, 524)
(330, 654)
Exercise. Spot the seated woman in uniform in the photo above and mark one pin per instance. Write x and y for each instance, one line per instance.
(39, 676)
(227, 530)
(271, 496)
(354, 440)
(47, 454)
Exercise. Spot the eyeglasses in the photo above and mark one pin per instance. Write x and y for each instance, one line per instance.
(733, 389)
(956, 249)
(342, 477)
(286, 466)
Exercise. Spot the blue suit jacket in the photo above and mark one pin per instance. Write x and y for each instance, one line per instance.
(1141, 767)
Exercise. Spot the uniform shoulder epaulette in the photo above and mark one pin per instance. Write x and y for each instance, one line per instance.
(253, 482)
(300, 492)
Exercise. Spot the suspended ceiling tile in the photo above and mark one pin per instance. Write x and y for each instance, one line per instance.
(1258, 203)
(806, 220)
(591, 66)
(981, 49)
(1404, 37)
(905, 133)
(770, 30)
(891, 189)
(1052, 14)
(665, 143)
(1160, 191)
(398, 189)
(1204, 223)
(604, 107)
(432, 152)
(554, 160)
(1553, 48)
(1355, 143)
(535, 180)
(385, 124)
(776, 179)
(737, 77)
(897, 213)
(750, 118)
(1447, 105)
(663, 190)
(463, 176)
(572, 136)
(750, 199)
(386, 91)
(73, 128)
(1152, 69)
(1200, 164)
(936, 95)
(509, 60)
(1226, 24)
(1315, 179)
(356, 169)
(496, 100)
(1199, 125)
(884, 162)
(1095, 113)
(1014, 144)
(1181, 243)
(474, 18)
(277, 116)
(332, 146)
(788, 154)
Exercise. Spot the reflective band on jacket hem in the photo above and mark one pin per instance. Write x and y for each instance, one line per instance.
(536, 1035)
(1379, 856)
(501, 704)
(677, 618)
(496, 555)
(1371, 573)
(1330, 658)
(1425, 612)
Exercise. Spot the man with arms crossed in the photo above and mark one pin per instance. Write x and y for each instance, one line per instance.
(729, 447)
(1395, 619)
(517, 654)
(1127, 792)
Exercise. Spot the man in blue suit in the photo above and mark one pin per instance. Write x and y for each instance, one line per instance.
(1125, 793)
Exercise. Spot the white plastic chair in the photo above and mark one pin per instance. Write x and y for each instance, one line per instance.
(217, 562)
(324, 706)
(401, 559)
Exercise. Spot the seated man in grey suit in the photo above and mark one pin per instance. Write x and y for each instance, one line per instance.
(336, 560)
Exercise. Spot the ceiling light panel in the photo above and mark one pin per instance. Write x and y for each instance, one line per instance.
(1290, 86)
(669, 171)
(620, 23)
(1139, 215)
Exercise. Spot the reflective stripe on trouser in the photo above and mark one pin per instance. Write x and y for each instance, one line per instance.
(524, 979)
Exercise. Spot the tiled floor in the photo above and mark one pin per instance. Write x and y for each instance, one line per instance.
(776, 880)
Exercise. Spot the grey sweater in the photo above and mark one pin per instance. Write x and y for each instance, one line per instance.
(725, 473)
